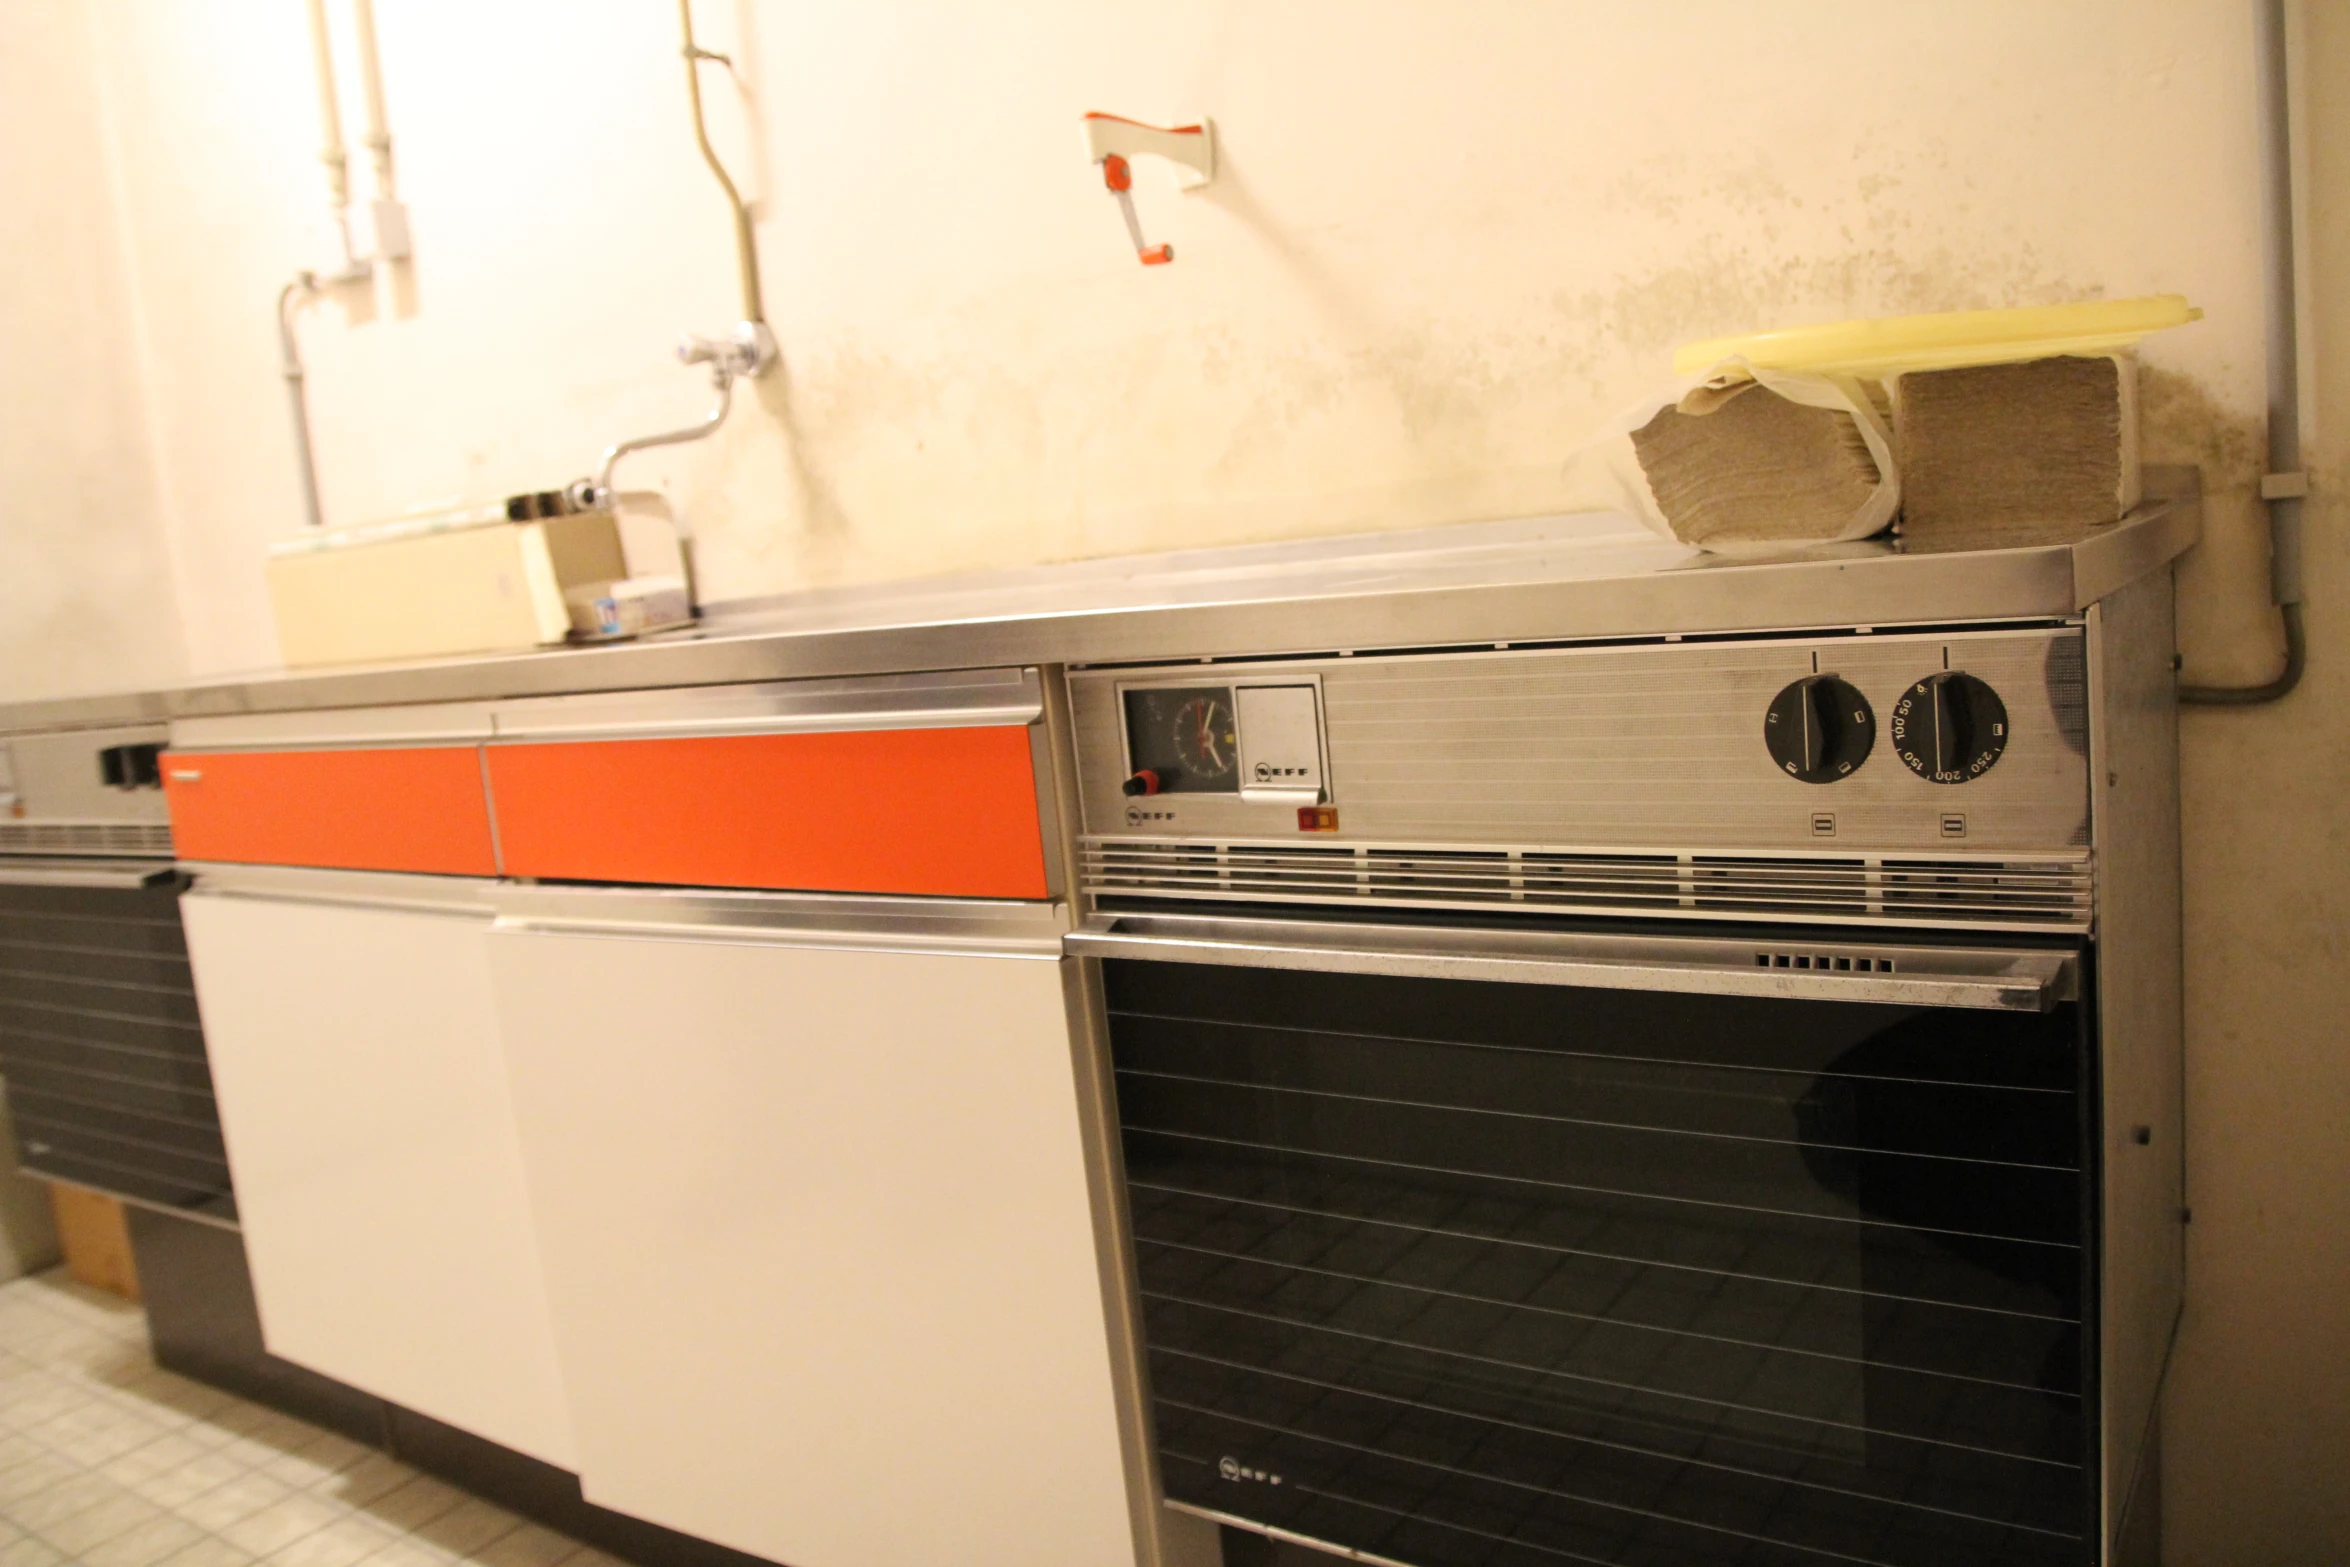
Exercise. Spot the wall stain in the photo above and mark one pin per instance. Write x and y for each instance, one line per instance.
(1325, 398)
(2180, 422)
(2228, 632)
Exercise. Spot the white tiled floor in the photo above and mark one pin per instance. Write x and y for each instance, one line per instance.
(108, 1461)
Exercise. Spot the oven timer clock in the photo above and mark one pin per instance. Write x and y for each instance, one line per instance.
(1182, 740)
(1260, 742)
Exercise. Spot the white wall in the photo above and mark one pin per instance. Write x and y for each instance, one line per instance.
(1449, 240)
(2259, 1413)
(86, 599)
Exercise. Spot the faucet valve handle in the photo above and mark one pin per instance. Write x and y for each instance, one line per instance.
(746, 351)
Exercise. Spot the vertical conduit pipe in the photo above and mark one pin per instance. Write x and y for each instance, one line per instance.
(330, 126)
(746, 241)
(304, 284)
(290, 365)
(2282, 322)
(378, 139)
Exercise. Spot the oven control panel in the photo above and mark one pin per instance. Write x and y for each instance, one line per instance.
(1960, 741)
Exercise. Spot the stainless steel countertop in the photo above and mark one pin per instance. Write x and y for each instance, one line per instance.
(1535, 579)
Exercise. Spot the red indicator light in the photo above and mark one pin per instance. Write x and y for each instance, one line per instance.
(1317, 818)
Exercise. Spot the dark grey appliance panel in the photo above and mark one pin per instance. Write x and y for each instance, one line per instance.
(1451, 1273)
(101, 1049)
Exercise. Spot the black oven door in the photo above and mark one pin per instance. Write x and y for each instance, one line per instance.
(101, 1052)
(1458, 1248)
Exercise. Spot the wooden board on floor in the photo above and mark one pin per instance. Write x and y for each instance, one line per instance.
(95, 1239)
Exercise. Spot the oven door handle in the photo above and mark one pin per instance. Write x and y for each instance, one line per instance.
(383, 892)
(905, 925)
(1999, 978)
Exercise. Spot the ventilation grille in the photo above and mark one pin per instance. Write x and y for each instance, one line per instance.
(2040, 893)
(147, 838)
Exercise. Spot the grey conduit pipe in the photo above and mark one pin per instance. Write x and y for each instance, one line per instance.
(2285, 483)
(746, 239)
(289, 350)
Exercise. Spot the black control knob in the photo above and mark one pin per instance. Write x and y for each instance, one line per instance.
(1949, 728)
(1819, 729)
(1143, 782)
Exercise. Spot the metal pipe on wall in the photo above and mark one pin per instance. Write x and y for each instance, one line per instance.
(299, 288)
(2285, 483)
(378, 139)
(390, 219)
(387, 219)
(746, 239)
(746, 351)
(304, 284)
(330, 114)
(600, 491)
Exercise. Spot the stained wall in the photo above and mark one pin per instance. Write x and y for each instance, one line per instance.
(1448, 243)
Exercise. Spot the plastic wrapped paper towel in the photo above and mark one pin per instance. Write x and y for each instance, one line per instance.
(2008, 427)
(1740, 458)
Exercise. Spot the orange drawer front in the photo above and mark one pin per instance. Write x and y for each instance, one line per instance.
(941, 812)
(391, 810)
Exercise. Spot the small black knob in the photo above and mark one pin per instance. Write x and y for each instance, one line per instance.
(1949, 727)
(1819, 729)
(1143, 782)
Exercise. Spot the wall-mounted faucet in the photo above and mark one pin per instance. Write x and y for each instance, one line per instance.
(749, 349)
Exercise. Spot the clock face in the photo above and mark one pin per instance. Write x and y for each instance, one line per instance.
(1186, 737)
(1205, 745)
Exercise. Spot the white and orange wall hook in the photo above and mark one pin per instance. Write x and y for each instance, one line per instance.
(1110, 141)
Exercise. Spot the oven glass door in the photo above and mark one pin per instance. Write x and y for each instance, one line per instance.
(1450, 1272)
(100, 1046)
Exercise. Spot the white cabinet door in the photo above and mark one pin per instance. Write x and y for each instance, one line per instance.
(370, 1131)
(819, 1246)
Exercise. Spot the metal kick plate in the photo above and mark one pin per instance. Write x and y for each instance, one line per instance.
(1656, 746)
